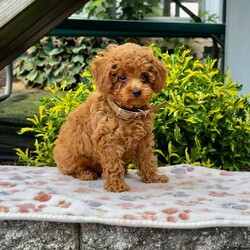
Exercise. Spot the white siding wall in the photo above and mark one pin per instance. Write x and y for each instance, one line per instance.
(237, 53)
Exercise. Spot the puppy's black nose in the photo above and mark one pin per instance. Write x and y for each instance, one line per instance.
(136, 92)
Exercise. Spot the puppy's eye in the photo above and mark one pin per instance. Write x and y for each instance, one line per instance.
(144, 78)
(123, 78)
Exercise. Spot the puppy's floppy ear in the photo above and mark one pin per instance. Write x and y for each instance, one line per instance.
(159, 71)
(100, 68)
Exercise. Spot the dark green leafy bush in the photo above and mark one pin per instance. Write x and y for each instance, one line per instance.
(53, 59)
(57, 59)
(124, 9)
(205, 122)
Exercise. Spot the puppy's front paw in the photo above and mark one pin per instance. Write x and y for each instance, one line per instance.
(116, 186)
(155, 179)
(161, 178)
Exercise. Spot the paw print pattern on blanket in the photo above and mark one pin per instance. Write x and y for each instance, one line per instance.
(194, 197)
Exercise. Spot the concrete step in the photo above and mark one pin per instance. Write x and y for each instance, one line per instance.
(36, 235)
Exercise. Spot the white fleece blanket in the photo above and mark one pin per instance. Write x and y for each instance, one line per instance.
(194, 197)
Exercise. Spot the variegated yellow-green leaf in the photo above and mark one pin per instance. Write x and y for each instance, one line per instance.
(187, 156)
(212, 64)
(41, 114)
(233, 92)
(191, 119)
(24, 130)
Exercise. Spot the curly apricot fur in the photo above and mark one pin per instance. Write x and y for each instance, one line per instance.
(93, 141)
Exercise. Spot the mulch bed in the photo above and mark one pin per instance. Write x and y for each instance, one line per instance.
(8, 163)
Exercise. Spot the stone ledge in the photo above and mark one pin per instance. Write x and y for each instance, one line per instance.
(29, 235)
(98, 236)
(32, 235)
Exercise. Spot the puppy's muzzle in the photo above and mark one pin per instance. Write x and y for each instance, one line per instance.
(136, 92)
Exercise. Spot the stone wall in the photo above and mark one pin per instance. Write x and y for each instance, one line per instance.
(30, 235)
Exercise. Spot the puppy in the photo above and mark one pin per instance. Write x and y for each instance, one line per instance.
(114, 125)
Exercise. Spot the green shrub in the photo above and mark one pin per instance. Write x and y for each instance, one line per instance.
(46, 124)
(205, 122)
(124, 9)
(54, 59)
